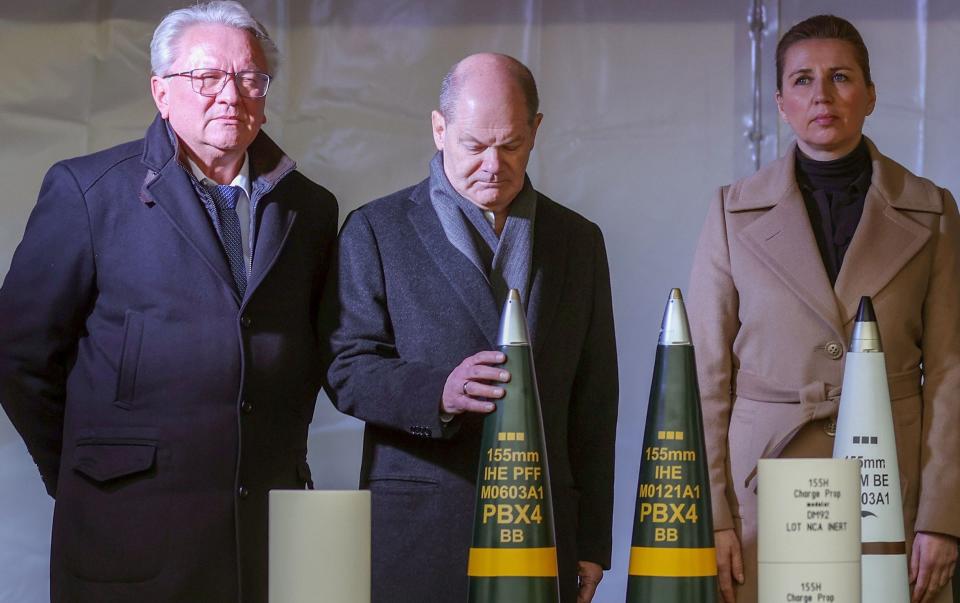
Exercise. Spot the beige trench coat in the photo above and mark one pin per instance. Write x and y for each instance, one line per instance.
(771, 335)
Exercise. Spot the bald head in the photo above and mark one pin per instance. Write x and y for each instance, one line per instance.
(486, 128)
(490, 72)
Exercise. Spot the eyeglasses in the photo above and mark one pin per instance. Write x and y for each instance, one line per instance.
(210, 82)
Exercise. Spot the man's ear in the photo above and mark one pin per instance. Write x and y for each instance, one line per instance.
(439, 129)
(536, 126)
(161, 95)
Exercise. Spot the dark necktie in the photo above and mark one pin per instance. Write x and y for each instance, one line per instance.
(225, 199)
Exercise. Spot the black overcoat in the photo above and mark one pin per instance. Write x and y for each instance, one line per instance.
(159, 406)
(410, 307)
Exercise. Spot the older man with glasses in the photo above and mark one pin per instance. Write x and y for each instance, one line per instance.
(158, 343)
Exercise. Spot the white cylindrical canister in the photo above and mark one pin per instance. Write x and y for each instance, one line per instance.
(808, 545)
(319, 546)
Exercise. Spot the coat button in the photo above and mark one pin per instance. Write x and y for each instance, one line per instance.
(242, 492)
(246, 407)
(830, 428)
(245, 321)
(834, 350)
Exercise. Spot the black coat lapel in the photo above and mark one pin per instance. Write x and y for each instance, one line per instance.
(274, 222)
(463, 276)
(172, 192)
(548, 271)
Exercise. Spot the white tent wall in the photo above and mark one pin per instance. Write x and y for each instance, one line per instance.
(646, 107)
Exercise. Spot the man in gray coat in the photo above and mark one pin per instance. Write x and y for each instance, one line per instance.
(422, 276)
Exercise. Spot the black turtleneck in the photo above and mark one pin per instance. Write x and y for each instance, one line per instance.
(834, 193)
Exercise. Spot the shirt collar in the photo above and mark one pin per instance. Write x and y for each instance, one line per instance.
(491, 218)
(242, 178)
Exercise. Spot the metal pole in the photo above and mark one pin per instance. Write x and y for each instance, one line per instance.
(756, 21)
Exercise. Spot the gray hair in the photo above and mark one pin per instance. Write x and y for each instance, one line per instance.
(453, 82)
(163, 47)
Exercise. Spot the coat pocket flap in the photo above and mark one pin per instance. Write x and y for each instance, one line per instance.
(103, 460)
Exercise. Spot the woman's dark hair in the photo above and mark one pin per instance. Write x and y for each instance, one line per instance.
(824, 27)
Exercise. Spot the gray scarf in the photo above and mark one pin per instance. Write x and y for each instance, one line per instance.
(503, 261)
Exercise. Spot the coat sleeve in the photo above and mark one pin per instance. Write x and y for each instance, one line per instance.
(44, 302)
(593, 420)
(366, 377)
(940, 442)
(713, 306)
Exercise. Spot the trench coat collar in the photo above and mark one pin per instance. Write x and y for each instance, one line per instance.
(777, 181)
(885, 240)
(887, 237)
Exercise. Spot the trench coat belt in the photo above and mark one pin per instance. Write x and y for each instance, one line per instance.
(814, 401)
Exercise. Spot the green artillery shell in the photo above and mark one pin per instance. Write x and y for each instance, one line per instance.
(673, 559)
(514, 557)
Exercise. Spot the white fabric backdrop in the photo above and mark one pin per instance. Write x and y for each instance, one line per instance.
(645, 109)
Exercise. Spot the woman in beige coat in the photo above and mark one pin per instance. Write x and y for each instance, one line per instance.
(783, 259)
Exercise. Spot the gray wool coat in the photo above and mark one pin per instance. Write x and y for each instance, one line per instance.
(409, 308)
